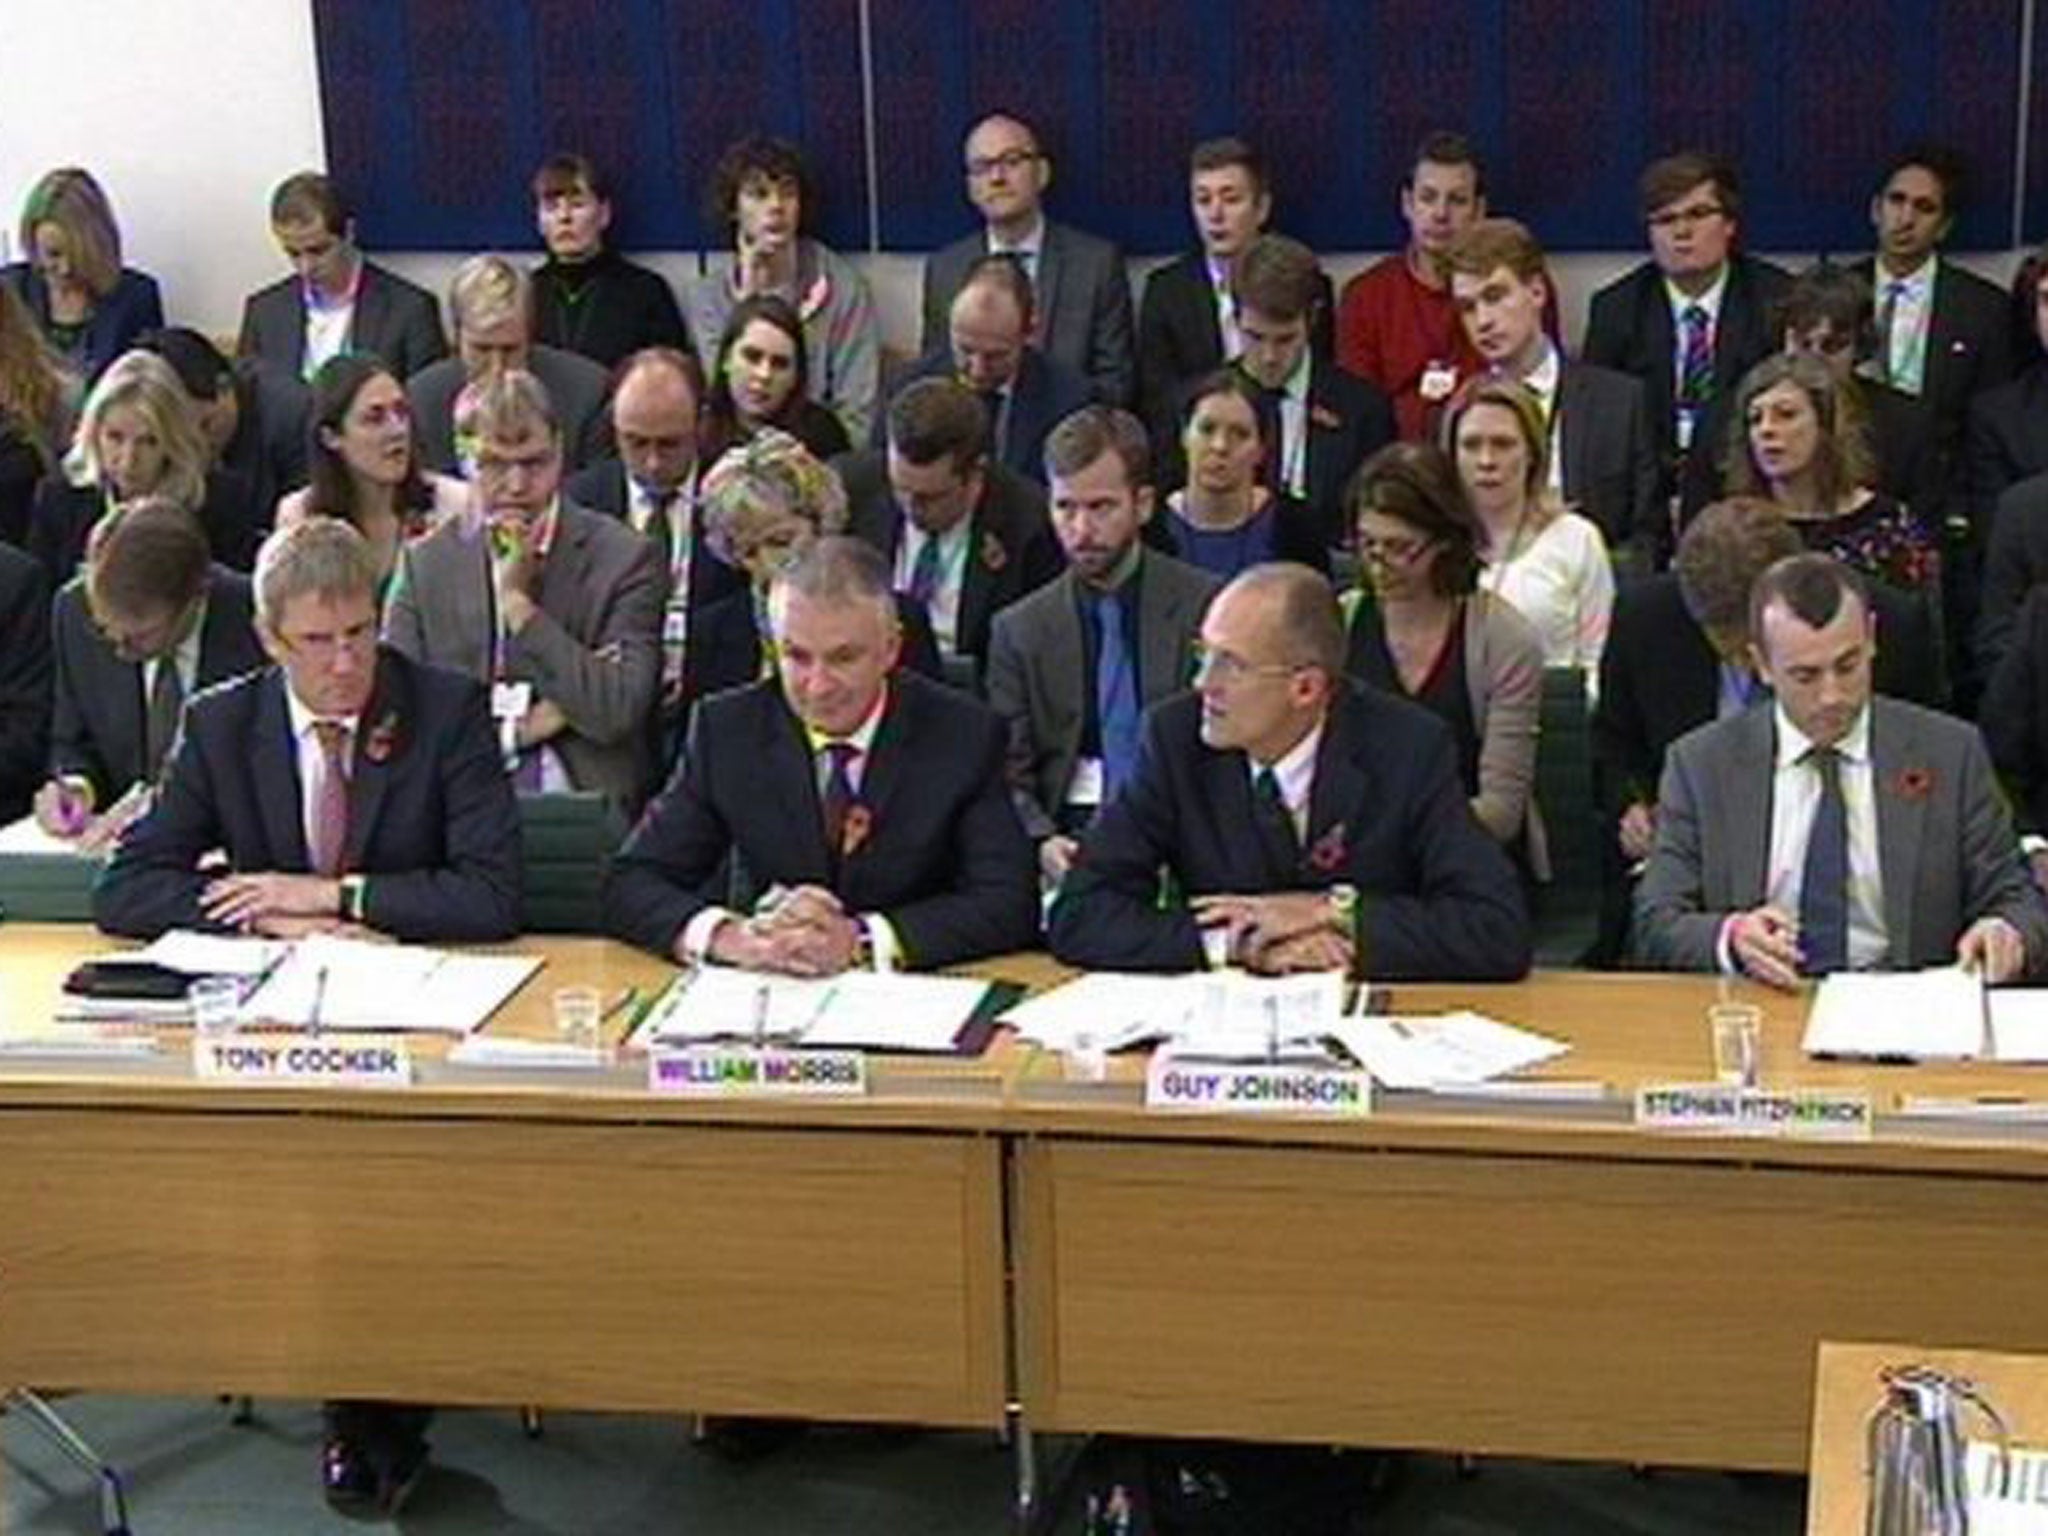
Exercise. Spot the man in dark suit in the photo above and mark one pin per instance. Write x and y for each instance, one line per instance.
(1187, 323)
(492, 302)
(1083, 318)
(24, 681)
(335, 301)
(253, 417)
(964, 537)
(556, 607)
(1602, 462)
(1833, 830)
(2007, 436)
(867, 810)
(1307, 823)
(1678, 657)
(587, 298)
(2015, 725)
(1319, 423)
(1073, 666)
(2015, 563)
(988, 348)
(1690, 322)
(148, 623)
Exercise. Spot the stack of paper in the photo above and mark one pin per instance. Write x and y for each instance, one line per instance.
(1443, 1050)
(335, 983)
(861, 1010)
(1933, 1015)
(1222, 1015)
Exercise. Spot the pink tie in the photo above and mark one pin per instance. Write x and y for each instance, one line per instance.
(330, 798)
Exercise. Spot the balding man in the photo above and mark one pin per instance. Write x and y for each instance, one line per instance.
(1306, 823)
(492, 302)
(1084, 313)
(865, 806)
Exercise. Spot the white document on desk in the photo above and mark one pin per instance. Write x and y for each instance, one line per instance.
(860, 1010)
(2019, 1024)
(1214, 1015)
(1932, 1015)
(210, 954)
(27, 836)
(1442, 1050)
(351, 984)
(1104, 1009)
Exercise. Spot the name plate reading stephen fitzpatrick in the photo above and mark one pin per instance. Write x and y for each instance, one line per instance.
(747, 1072)
(306, 1063)
(1822, 1114)
(1263, 1088)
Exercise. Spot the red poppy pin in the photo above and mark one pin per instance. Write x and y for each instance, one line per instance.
(853, 832)
(1327, 854)
(382, 741)
(993, 555)
(1324, 417)
(1913, 783)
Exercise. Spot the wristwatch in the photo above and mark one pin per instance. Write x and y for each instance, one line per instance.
(354, 896)
(1344, 908)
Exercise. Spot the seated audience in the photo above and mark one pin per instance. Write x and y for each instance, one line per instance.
(1422, 628)
(1834, 830)
(557, 608)
(1318, 422)
(1305, 822)
(252, 418)
(1546, 560)
(1397, 325)
(1597, 456)
(760, 192)
(1084, 320)
(336, 300)
(34, 420)
(89, 307)
(765, 503)
(587, 298)
(2015, 721)
(138, 435)
(365, 463)
(24, 681)
(1073, 665)
(965, 537)
(492, 303)
(760, 377)
(1224, 520)
(2014, 564)
(2006, 440)
(149, 622)
(865, 806)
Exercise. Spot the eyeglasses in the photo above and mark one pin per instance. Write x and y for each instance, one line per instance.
(1010, 160)
(493, 466)
(1222, 667)
(324, 647)
(1398, 550)
(1694, 213)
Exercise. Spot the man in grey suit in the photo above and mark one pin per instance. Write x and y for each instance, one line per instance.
(1084, 298)
(492, 302)
(1072, 667)
(557, 607)
(1833, 830)
(335, 301)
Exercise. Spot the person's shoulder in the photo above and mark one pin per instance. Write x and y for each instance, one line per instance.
(1177, 575)
(600, 485)
(959, 253)
(1335, 388)
(1388, 726)
(1038, 606)
(1604, 387)
(932, 705)
(1080, 245)
(1505, 625)
(1382, 276)
(375, 272)
(1013, 496)
(1638, 283)
(560, 370)
(1763, 275)
(225, 709)
(1910, 722)
(862, 471)
(1188, 270)
(1959, 285)
(19, 572)
(438, 380)
(284, 290)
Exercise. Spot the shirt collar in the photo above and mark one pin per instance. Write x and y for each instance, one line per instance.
(545, 527)
(1541, 381)
(303, 719)
(1916, 282)
(862, 737)
(1296, 770)
(1710, 301)
(1030, 245)
(1794, 744)
(313, 299)
(1296, 387)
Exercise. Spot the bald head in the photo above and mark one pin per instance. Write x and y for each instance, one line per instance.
(654, 419)
(988, 326)
(1273, 651)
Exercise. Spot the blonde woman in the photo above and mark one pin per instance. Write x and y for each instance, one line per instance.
(90, 307)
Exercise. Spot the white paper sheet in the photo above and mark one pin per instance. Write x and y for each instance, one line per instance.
(26, 836)
(861, 1010)
(351, 984)
(2019, 1024)
(1443, 1050)
(1219, 1015)
(1932, 1015)
(211, 954)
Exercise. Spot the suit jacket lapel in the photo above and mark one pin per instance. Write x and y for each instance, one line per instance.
(1227, 792)
(1572, 425)
(1061, 654)
(976, 579)
(1335, 795)
(1159, 608)
(564, 574)
(1749, 817)
(274, 765)
(385, 725)
(1899, 831)
(366, 325)
(1045, 286)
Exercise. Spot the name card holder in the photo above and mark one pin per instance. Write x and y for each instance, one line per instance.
(756, 1072)
(306, 1062)
(1720, 1109)
(1185, 1085)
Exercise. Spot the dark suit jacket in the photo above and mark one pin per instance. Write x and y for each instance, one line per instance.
(2006, 441)
(944, 861)
(432, 821)
(602, 488)
(725, 645)
(621, 308)
(1046, 391)
(24, 681)
(1946, 847)
(2015, 715)
(268, 449)
(135, 306)
(1608, 457)
(1013, 548)
(397, 320)
(1083, 299)
(21, 471)
(100, 705)
(1969, 349)
(1629, 328)
(2014, 564)
(577, 387)
(1349, 421)
(1437, 897)
(1040, 683)
(63, 516)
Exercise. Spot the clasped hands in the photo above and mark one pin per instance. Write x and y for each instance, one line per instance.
(1277, 933)
(1764, 942)
(802, 931)
(279, 906)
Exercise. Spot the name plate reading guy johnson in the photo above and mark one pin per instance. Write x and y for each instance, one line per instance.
(307, 1063)
(1821, 1114)
(1264, 1088)
(757, 1072)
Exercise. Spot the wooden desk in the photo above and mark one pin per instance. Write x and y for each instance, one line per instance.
(478, 1241)
(1493, 1281)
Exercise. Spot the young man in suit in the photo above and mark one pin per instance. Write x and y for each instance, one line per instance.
(335, 300)
(1319, 423)
(24, 681)
(2007, 436)
(1834, 830)
(1307, 823)
(148, 623)
(587, 298)
(351, 791)
(1601, 459)
(1083, 318)
(1187, 323)
(492, 302)
(1691, 321)
(866, 809)
(1073, 666)
(964, 537)
(558, 608)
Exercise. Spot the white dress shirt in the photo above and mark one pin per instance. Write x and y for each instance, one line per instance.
(944, 608)
(1912, 301)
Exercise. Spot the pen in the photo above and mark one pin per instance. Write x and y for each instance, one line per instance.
(621, 999)
(319, 997)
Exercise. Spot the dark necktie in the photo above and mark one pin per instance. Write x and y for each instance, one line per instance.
(924, 573)
(330, 799)
(837, 800)
(1272, 430)
(1824, 885)
(1116, 695)
(160, 719)
(675, 612)
(992, 402)
(1277, 837)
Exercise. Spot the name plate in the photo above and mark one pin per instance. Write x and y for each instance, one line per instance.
(304, 1062)
(1818, 1114)
(1264, 1088)
(757, 1072)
